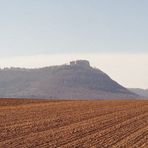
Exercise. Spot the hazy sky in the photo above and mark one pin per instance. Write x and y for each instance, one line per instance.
(32, 30)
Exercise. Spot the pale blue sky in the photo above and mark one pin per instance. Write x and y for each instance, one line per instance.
(31, 27)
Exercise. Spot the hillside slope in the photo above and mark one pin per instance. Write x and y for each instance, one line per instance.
(75, 81)
(140, 92)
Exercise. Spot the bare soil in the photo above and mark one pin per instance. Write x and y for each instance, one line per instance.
(26, 123)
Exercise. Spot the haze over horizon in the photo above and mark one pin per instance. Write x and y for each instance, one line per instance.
(112, 35)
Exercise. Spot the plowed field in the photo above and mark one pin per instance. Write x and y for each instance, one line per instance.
(73, 124)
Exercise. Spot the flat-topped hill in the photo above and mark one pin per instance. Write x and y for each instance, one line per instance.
(78, 80)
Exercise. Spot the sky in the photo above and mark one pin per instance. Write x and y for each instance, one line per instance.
(112, 34)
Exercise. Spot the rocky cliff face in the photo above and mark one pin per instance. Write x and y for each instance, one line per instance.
(75, 81)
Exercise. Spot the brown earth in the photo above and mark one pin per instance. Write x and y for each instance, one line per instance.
(71, 124)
